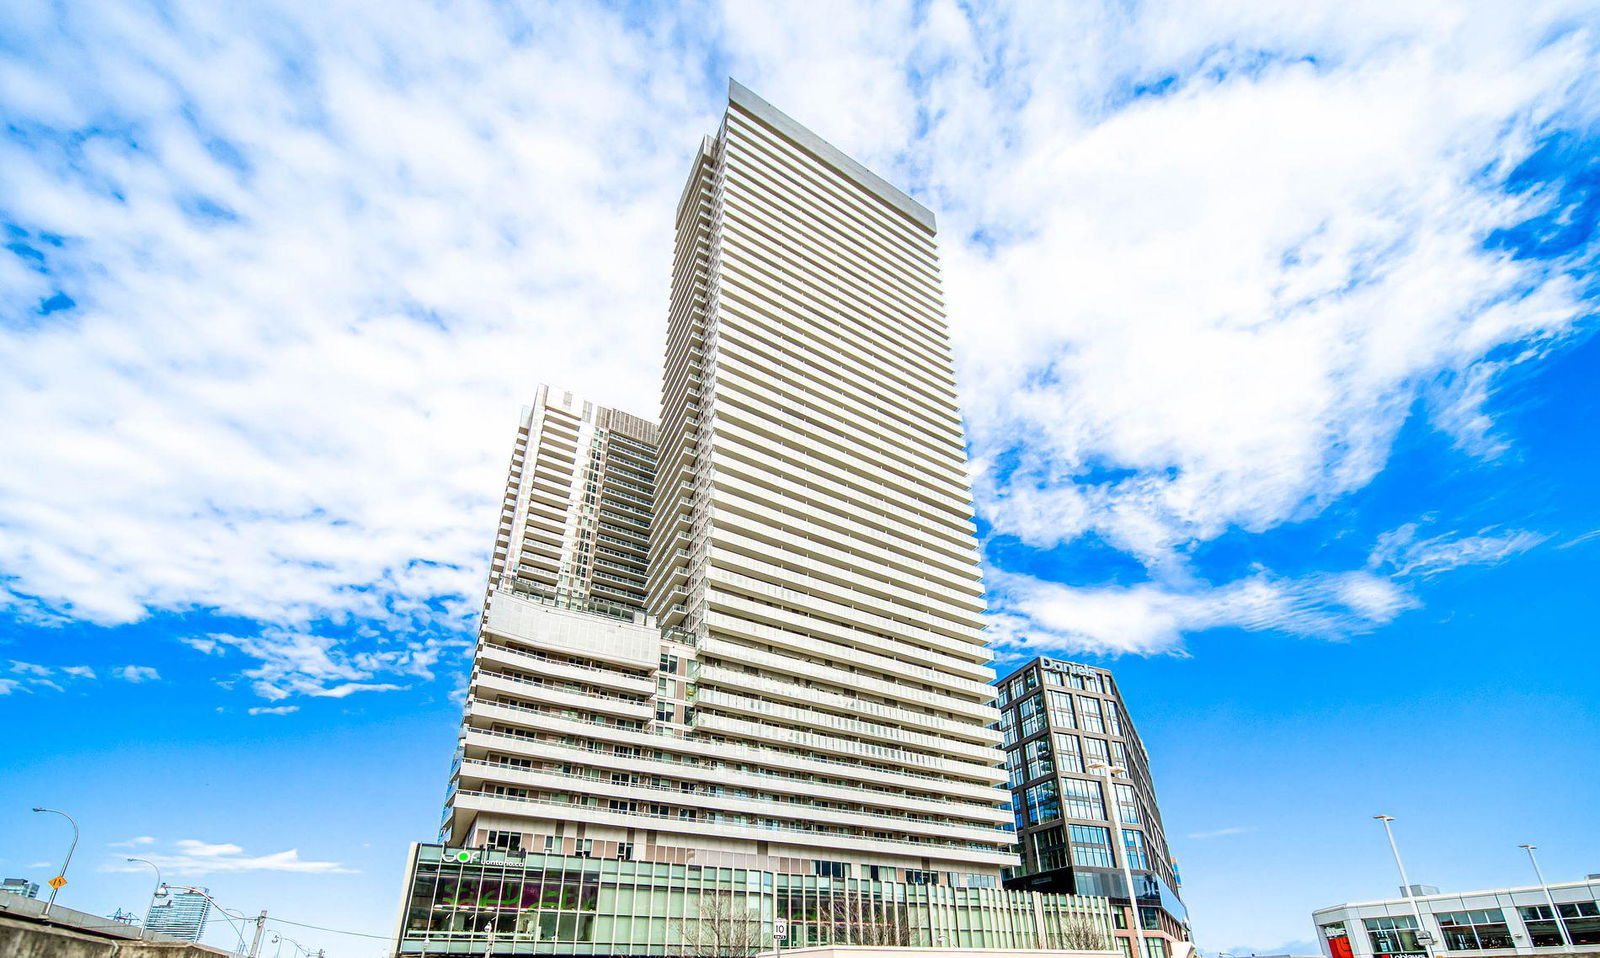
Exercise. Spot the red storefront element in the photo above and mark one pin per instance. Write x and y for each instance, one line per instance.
(1339, 947)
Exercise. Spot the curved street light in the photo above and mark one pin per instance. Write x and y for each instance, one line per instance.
(145, 925)
(260, 921)
(61, 876)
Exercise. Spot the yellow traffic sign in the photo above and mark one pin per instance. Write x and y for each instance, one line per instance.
(57, 882)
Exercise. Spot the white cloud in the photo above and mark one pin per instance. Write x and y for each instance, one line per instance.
(9, 686)
(1040, 617)
(1176, 315)
(1403, 553)
(79, 671)
(274, 710)
(326, 446)
(28, 668)
(191, 857)
(136, 673)
(135, 842)
(1222, 832)
(301, 663)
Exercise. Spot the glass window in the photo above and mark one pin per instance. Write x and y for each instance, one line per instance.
(1127, 805)
(1061, 709)
(1067, 757)
(1089, 715)
(1133, 845)
(1083, 799)
(1043, 802)
(1113, 717)
(1091, 846)
(1474, 930)
(1039, 763)
(1393, 936)
(1094, 749)
(1582, 921)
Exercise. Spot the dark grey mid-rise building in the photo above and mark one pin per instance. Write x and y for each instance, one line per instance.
(1067, 737)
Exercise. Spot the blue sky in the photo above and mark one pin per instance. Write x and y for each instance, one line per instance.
(1274, 326)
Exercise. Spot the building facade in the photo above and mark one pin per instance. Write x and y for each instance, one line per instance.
(1500, 922)
(1064, 726)
(741, 654)
(489, 901)
(179, 914)
(20, 887)
(565, 657)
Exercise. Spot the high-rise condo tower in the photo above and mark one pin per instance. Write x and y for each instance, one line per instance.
(787, 699)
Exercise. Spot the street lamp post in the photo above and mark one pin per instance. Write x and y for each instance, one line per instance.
(62, 875)
(260, 921)
(1118, 842)
(144, 926)
(1424, 936)
(1561, 926)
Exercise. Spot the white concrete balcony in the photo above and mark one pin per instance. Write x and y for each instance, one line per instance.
(687, 743)
(600, 785)
(867, 550)
(794, 842)
(484, 685)
(918, 377)
(818, 742)
(807, 718)
(752, 573)
(852, 524)
(480, 742)
(884, 273)
(759, 433)
(494, 653)
(903, 647)
(866, 496)
(756, 160)
(916, 368)
(850, 426)
(818, 555)
(938, 725)
(813, 647)
(724, 649)
(820, 627)
(748, 554)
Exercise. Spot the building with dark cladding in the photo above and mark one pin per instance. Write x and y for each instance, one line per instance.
(1079, 775)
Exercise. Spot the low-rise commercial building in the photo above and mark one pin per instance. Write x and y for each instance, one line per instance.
(1499, 922)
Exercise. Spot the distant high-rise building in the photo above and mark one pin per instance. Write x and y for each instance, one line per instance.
(563, 645)
(785, 698)
(19, 886)
(1066, 726)
(180, 914)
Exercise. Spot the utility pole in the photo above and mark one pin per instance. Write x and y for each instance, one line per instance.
(261, 927)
